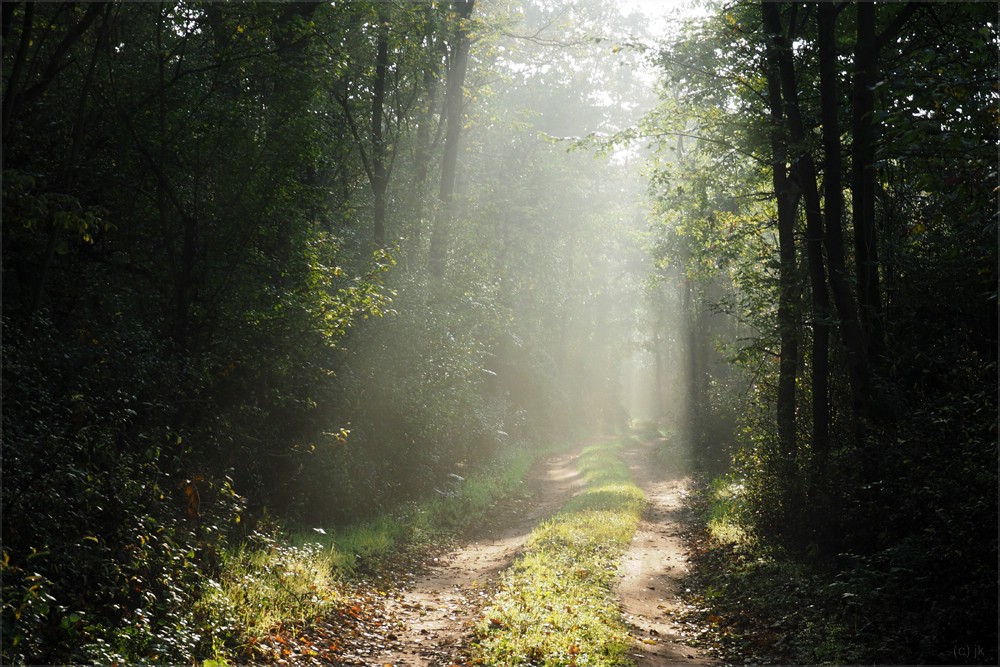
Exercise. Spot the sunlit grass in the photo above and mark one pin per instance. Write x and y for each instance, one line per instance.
(724, 522)
(556, 605)
(261, 589)
(289, 581)
(465, 504)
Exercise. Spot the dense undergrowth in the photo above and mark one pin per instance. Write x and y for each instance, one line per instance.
(768, 605)
(199, 596)
(233, 315)
(841, 332)
(556, 604)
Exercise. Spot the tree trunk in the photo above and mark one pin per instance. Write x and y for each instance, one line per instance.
(15, 95)
(458, 62)
(866, 255)
(380, 176)
(863, 179)
(422, 149)
(840, 286)
(805, 173)
(11, 91)
(787, 204)
(68, 167)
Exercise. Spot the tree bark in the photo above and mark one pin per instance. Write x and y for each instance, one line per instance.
(840, 285)
(458, 62)
(866, 256)
(863, 178)
(787, 200)
(422, 149)
(380, 176)
(805, 174)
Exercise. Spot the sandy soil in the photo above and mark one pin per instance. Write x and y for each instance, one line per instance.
(652, 570)
(435, 611)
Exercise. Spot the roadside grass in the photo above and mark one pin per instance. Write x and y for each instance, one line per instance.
(668, 448)
(760, 605)
(288, 581)
(723, 518)
(473, 500)
(556, 604)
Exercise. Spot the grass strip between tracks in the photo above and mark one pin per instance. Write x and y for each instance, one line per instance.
(556, 604)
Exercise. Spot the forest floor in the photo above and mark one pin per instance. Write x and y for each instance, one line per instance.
(423, 613)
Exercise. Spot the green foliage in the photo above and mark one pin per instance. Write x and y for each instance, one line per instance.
(177, 285)
(94, 525)
(823, 553)
(263, 588)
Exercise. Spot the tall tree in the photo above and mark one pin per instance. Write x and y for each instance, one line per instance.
(458, 61)
(787, 200)
(867, 45)
(805, 175)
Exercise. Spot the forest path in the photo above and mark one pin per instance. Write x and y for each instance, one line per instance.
(428, 618)
(433, 613)
(653, 569)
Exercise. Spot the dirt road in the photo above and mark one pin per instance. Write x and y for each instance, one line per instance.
(437, 609)
(433, 614)
(653, 569)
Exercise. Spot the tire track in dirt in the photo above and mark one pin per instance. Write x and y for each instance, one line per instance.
(435, 611)
(652, 570)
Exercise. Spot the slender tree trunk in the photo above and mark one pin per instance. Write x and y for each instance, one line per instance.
(805, 173)
(658, 360)
(863, 186)
(787, 206)
(6, 14)
(184, 268)
(458, 62)
(380, 177)
(68, 167)
(863, 181)
(16, 95)
(422, 149)
(692, 335)
(832, 195)
(840, 284)
(11, 92)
